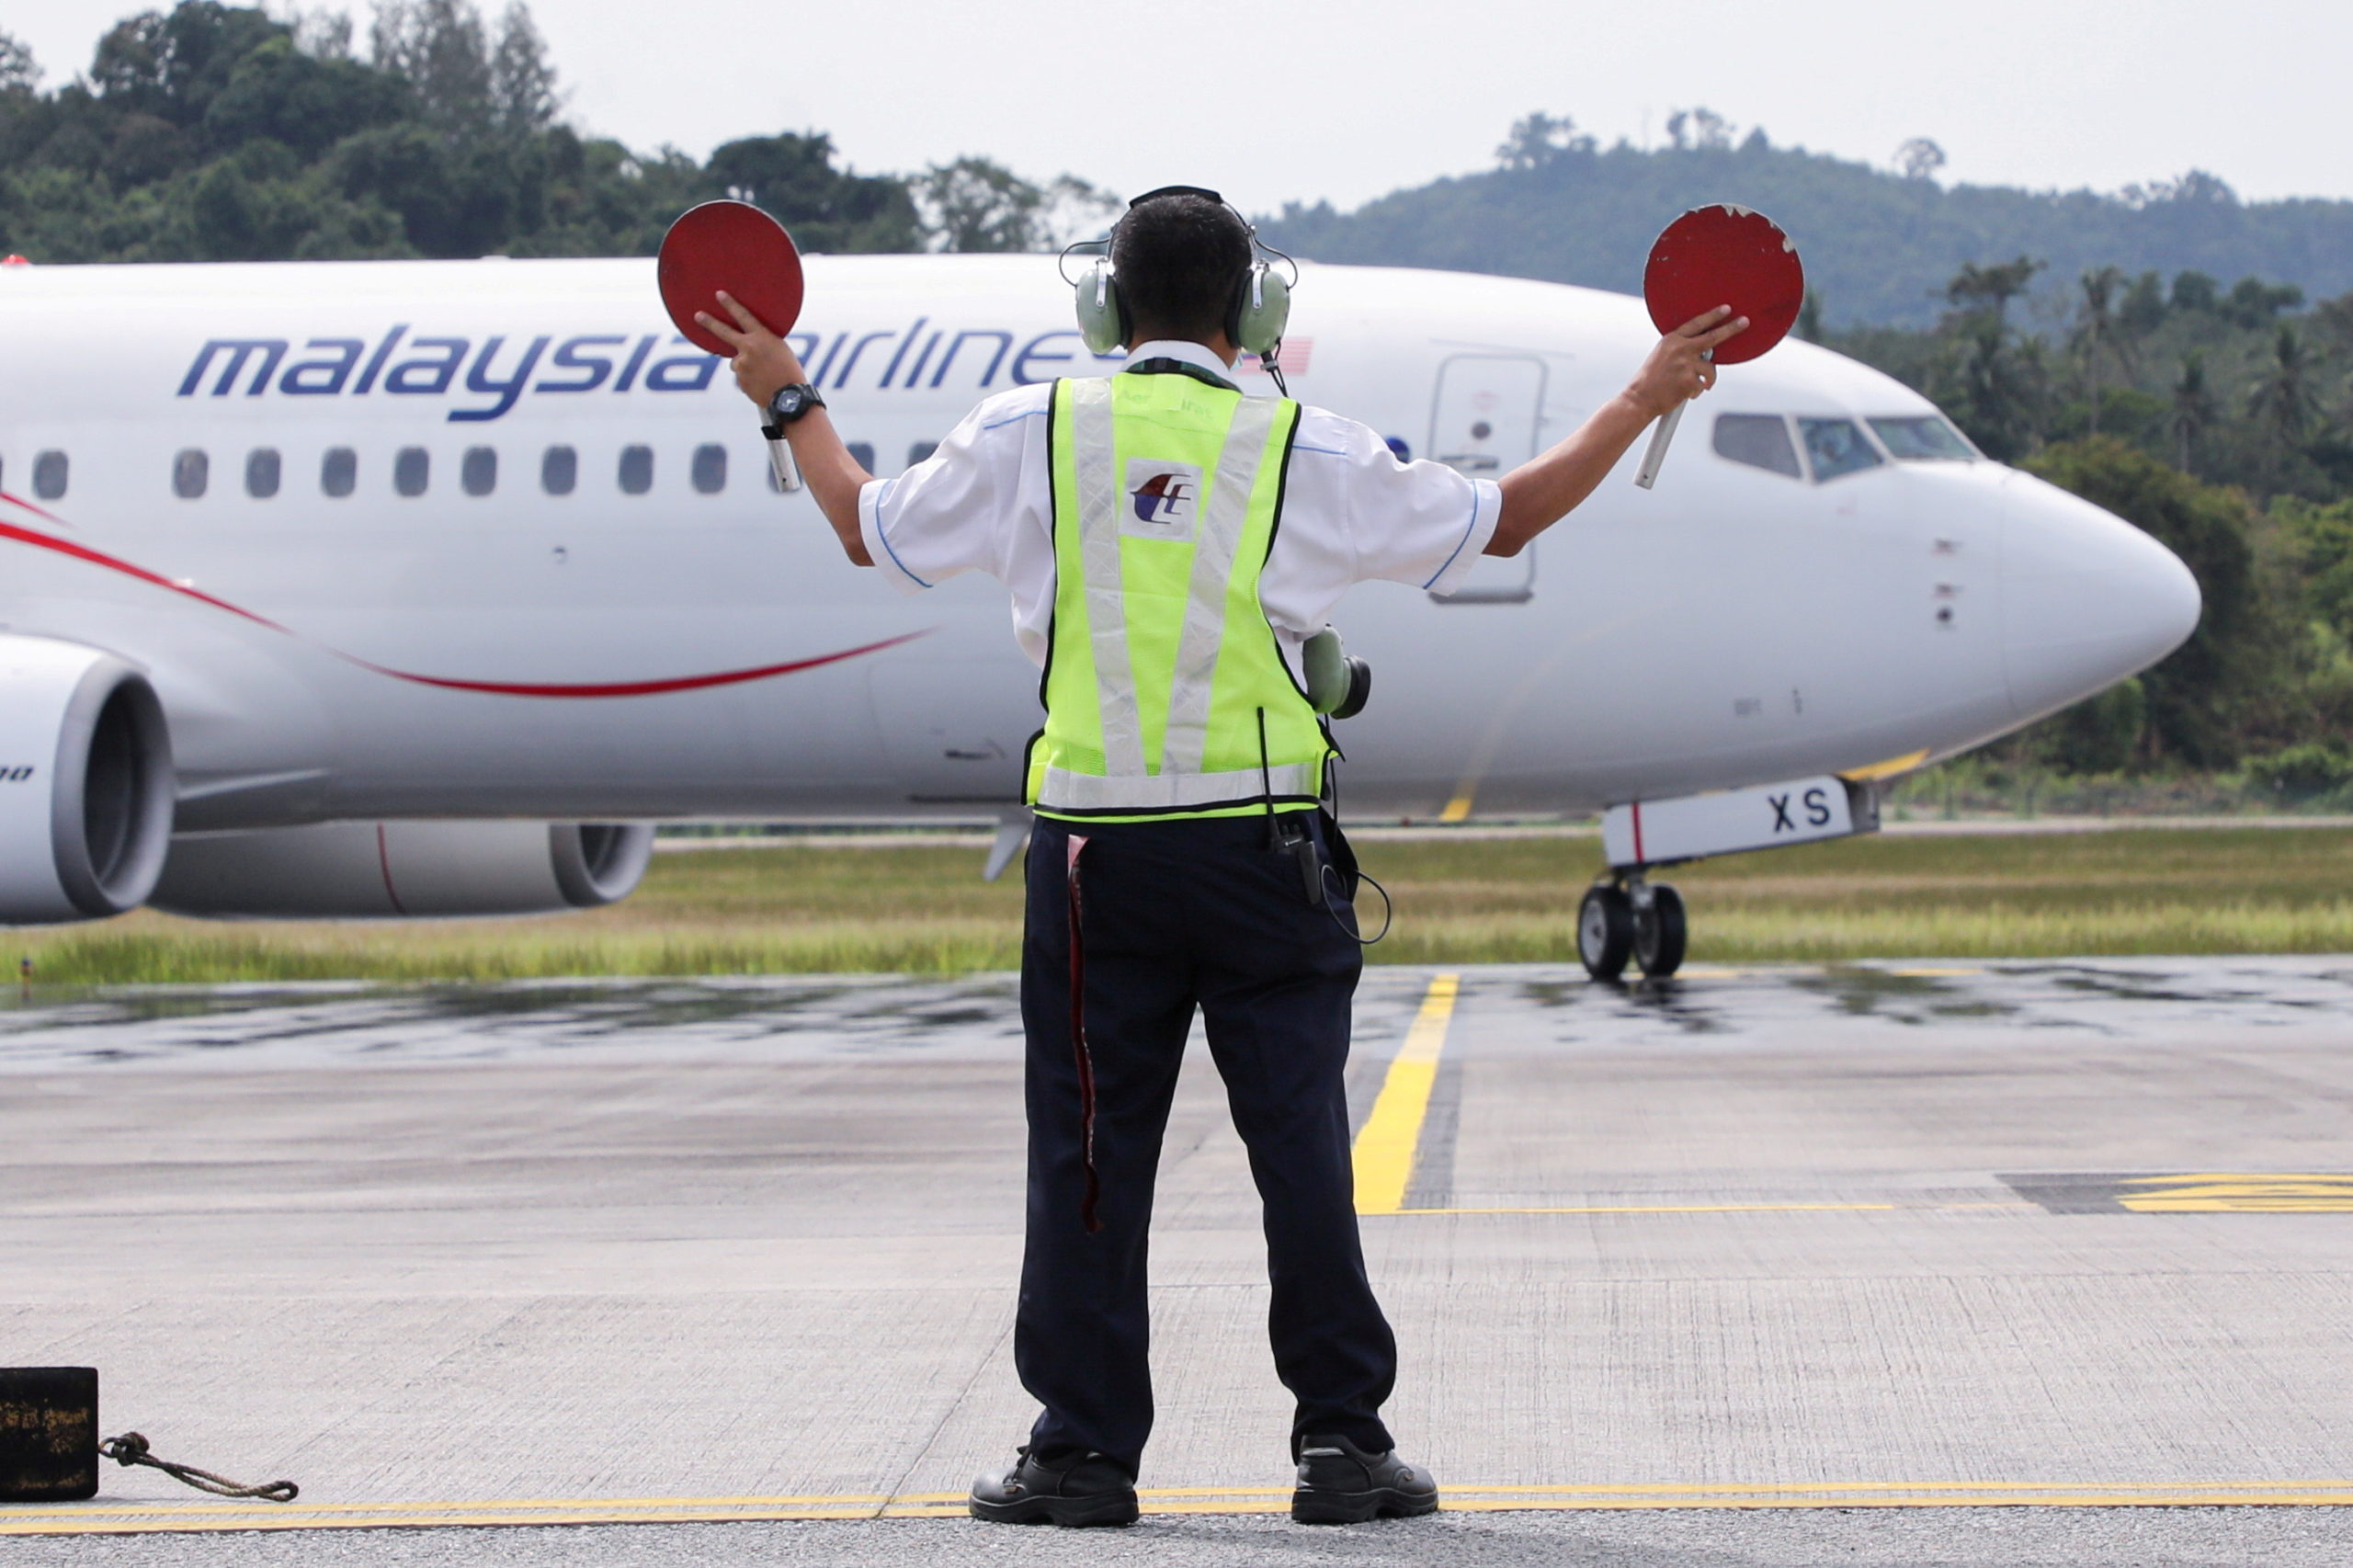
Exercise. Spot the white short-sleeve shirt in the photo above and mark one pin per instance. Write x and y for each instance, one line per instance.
(983, 502)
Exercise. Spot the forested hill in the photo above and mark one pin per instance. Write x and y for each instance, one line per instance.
(1879, 246)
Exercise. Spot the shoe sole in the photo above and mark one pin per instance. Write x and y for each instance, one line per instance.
(1068, 1512)
(1320, 1507)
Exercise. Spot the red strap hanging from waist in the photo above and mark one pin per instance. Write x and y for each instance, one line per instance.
(1078, 1040)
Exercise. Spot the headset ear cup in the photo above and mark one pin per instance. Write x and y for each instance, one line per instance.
(1102, 318)
(1262, 309)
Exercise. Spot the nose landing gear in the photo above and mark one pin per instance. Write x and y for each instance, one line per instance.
(1628, 916)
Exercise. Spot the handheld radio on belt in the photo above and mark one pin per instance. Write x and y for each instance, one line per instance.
(735, 247)
(1723, 255)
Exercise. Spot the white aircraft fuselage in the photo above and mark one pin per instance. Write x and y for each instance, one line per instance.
(372, 602)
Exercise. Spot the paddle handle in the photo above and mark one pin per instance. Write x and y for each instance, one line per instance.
(1647, 475)
(1661, 435)
(780, 463)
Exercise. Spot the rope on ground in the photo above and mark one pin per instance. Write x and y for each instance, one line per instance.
(131, 1448)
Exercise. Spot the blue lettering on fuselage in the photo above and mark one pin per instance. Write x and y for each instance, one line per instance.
(484, 378)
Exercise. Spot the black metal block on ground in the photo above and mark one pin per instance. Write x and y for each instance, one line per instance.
(49, 1434)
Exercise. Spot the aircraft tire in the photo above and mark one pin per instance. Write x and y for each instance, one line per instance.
(1605, 931)
(1661, 932)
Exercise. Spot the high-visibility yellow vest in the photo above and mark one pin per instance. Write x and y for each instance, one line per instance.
(1165, 693)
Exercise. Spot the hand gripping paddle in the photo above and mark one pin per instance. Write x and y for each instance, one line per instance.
(736, 246)
(1721, 256)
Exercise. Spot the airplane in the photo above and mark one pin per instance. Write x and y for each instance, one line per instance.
(384, 589)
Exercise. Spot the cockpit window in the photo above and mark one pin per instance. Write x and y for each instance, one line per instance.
(1923, 438)
(1760, 440)
(1835, 447)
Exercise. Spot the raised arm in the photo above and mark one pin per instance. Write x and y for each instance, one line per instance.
(765, 363)
(1547, 487)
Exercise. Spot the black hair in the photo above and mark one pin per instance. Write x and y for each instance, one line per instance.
(1180, 259)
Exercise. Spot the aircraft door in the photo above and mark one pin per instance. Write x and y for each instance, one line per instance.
(1484, 424)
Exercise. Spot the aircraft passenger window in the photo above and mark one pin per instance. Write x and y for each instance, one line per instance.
(864, 452)
(1835, 447)
(637, 469)
(411, 468)
(1396, 444)
(1922, 438)
(49, 476)
(1760, 440)
(338, 472)
(559, 470)
(261, 473)
(189, 471)
(710, 471)
(478, 471)
(921, 450)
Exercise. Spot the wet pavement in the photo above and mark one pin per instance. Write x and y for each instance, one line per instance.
(1756, 1265)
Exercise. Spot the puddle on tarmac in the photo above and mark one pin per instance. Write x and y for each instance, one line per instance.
(798, 1017)
(477, 1022)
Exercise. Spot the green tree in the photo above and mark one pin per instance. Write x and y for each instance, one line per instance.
(282, 94)
(973, 204)
(1991, 289)
(2100, 734)
(173, 64)
(2282, 403)
(444, 53)
(1537, 139)
(2193, 411)
(2144, 310)
(19, 73)
(827, 209)
(2252, 303)
(2324, 537)
(2098, 330)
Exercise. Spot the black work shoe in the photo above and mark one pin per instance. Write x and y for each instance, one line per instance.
(1074, 1489)
(1339, 1483)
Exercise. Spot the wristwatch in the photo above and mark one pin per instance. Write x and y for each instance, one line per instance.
(790, 403)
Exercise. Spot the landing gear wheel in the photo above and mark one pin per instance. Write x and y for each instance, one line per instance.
(1605, 931)
(1660, 934)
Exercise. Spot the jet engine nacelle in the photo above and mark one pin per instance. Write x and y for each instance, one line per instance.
(85, 782)
(389, 871)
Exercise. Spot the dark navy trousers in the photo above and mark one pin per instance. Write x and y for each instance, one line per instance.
(1175, 915)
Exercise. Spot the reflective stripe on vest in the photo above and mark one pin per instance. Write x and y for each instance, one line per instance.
(1163, 662)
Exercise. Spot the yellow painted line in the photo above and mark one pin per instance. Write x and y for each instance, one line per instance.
(1458, 809)
(2239, 1193)
(1392, 1134)
(117, 1519)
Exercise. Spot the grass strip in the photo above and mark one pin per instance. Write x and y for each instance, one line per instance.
(812, 908)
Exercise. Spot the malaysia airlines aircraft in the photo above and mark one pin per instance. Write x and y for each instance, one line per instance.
(362, 589)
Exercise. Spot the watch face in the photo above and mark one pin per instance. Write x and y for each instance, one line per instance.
(788, 402)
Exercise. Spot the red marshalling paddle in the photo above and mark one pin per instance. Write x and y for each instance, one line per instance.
(1722, 255)
(736, 246)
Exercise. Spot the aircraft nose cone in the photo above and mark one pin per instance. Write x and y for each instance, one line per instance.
(2086, 598)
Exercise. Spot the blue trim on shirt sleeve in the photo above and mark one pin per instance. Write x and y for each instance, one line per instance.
(1015, 418)
(880, 533)
(1468, 529)
(1327, 451)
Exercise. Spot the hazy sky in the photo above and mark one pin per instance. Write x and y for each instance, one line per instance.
(1322, 98)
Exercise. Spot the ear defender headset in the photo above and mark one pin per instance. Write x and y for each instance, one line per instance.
(1253, 320)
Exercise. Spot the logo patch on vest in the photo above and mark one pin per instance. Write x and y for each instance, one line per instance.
(1163, 498)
